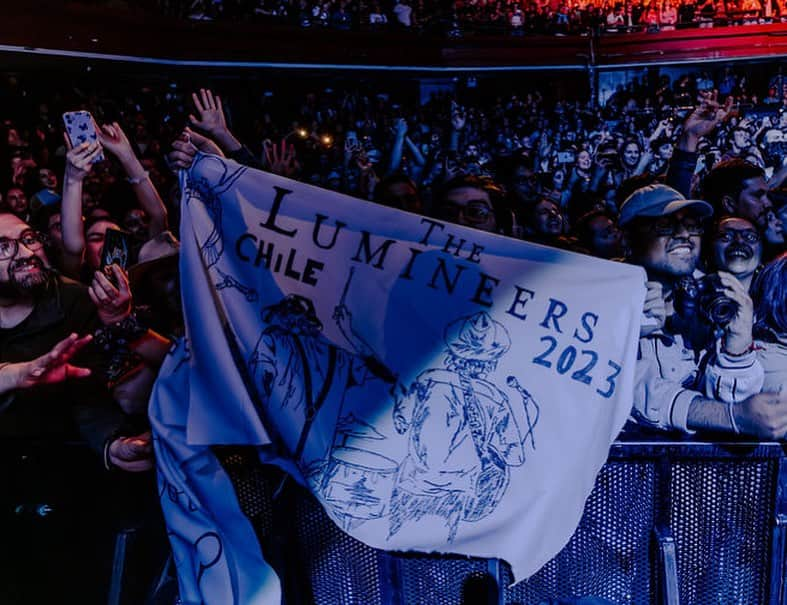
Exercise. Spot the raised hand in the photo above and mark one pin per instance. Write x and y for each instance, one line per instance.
(703, 120)
(186, 146)
(400, 128)
(115, 140)
(203, 144)
(52, 367)
(281, 162)
(211, 112)
(113, 302)
(79, 160)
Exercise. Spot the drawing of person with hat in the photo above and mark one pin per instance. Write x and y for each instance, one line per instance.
(463, 435)
(304, 377)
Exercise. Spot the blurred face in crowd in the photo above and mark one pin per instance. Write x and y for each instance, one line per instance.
(24, 267)
(88, 202)
(136, 223)
(402, 195)
(55, 231)
(468, 206)
(17, 201)
(737, 247)
(774, 232)
(781, 214)
(665, 151)
(524, 183)
(558, 180)
(606, 237)
(47, 178)
(94, 242)
(753, 202)
(741, 138)
(583, 160)
(547, 219)
(668, 245)
(631, 155)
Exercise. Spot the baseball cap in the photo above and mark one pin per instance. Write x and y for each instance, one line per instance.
(659, 200)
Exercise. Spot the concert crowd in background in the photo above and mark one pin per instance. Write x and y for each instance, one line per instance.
(524, 163)
(456, 19)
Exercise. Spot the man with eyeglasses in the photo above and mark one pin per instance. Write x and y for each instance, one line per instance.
(475, 202)
(48, 397)
(683, 382)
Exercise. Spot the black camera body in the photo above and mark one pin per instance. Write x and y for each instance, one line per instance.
(706, 298)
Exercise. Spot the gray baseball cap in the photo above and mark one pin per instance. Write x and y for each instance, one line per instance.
(659, 200)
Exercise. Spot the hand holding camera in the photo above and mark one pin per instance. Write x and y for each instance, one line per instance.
(738, 333)
(721, 301)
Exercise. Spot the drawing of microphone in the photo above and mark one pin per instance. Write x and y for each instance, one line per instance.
(527, 398)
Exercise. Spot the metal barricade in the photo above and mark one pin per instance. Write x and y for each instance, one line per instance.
(667, 522)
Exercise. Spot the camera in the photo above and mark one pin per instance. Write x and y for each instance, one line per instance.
(704, 297)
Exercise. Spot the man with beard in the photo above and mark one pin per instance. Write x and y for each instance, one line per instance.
(737, 187)
(52, 494)
(683, 382)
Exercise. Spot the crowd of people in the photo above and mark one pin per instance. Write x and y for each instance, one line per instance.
(457, 18)
(684, 177)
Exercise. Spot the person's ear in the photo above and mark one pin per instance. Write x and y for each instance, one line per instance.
(729, 204)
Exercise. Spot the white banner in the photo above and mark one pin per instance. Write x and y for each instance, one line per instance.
(439, 388)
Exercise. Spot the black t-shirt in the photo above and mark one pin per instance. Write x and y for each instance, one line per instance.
(79, 407)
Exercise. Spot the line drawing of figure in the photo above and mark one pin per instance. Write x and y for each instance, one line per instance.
(304, 377)
(463, 435)
(209, 194)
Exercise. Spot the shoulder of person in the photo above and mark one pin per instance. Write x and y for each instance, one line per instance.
(75, 301)
(72, 291)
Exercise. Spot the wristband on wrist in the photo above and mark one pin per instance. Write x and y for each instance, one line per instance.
(746, 351)
(138, 179)
(731, 414)
(107, 462)
(119, 335)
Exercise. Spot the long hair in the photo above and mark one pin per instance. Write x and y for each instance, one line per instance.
(769, 293)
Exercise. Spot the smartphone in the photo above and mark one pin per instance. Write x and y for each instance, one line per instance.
(81, 128)
(115, 250)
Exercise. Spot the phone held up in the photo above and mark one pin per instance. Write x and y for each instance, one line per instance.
(81, 128)
(115, 251)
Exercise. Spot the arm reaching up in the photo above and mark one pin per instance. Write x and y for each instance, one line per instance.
(211, 120)
(114, 139)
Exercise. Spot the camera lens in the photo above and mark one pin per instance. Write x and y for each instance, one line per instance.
(722, 310)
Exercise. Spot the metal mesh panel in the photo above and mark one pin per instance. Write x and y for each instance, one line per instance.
(609, 554)
(253, 483)
(720, 516)
(438, 580)
(340, 569)
(719, 512)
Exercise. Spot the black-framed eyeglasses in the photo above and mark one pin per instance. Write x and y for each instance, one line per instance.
(750, 236)
(667, 226)
(474, 211)
(32, 240)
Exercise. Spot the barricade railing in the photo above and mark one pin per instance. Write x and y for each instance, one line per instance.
(667, 522)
